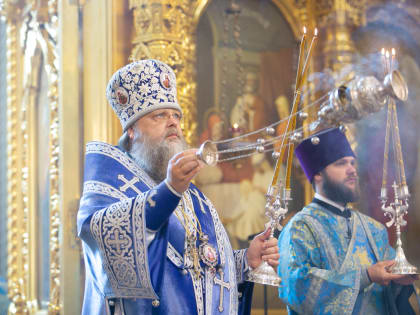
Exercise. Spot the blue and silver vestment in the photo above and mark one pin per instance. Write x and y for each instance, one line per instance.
(126, 271)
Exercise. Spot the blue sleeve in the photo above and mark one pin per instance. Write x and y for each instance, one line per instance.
(161, 201)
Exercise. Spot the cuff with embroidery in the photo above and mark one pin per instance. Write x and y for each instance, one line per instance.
(246, 266)
(241, 263)
(161, 201)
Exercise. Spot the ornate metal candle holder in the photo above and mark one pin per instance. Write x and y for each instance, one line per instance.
(396, 211)
(275, 209)
(360, 97)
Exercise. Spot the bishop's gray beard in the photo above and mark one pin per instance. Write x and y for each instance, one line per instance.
(153, 158)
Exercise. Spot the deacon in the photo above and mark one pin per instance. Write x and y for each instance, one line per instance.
(153, 243)
(335, 260)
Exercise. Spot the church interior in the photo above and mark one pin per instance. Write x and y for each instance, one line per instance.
(236, 63)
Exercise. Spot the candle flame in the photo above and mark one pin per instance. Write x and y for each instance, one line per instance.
(383, 51)
(393, 52)
(235, 126)
(387, 54)
(304, 30)
(316, 32)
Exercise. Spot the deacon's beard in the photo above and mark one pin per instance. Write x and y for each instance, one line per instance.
(154, 157)
(337, 191)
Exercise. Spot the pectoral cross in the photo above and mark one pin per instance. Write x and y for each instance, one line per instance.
(223, 285)
(129, 183)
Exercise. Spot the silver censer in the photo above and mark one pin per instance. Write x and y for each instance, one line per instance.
(359, 98)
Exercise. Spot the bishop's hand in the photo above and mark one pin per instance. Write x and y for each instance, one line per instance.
(263, 247)
(182, 168)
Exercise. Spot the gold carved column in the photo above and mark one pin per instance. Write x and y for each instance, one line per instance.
(48, 16)
(337, 19)
(166, 30)
(32, 47)
(17, 238)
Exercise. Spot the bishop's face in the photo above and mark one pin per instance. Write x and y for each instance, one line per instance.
(161, 125)
(156, 138)
(339, 181)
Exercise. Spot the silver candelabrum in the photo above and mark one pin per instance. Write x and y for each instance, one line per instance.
(276, 208)
(396, 211)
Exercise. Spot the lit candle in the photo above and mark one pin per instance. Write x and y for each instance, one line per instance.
(290, 122)
(236, 130)
(387, 61)
(308, 58)
(392, 58)
(301, 52)
(383, 60)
